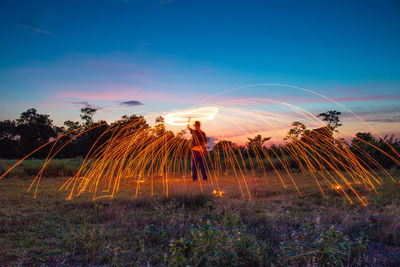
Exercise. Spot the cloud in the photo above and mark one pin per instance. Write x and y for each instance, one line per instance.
(110, 94)
(393, 119)
(368, 98)
(291, 99)
(85, 104)
(315, 99)
(372, 113)
(361, 89)
(118, 91)
(36, 30)
(99, 95)
(207, 70)
(131, 103)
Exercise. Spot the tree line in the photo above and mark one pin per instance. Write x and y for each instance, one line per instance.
(32, 130)
(321, 144)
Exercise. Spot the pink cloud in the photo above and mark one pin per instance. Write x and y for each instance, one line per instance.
(125, 92)
(105, 95)
(361, 89)
(85, 104)
(107, 92)
(122, 69)
(368, 98)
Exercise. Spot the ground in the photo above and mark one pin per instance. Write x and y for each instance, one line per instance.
(277, 226)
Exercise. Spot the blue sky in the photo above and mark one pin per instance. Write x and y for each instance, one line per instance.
(58, 56)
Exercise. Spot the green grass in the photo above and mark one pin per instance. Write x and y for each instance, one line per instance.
(31, 167)
(277, 228)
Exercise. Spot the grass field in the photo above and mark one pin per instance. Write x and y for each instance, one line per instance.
(194, 227)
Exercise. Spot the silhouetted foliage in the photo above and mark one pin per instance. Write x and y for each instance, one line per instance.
(322, 135)
(9, 141)
(87, 115)
(84, 136)
(257, 141)
(31, 130)
(159, 128)
(296, 131)
(382, 150)
(7, 129)
(34, 130)
(93, 138)
(256, 146)
(71, 125)
(332, 117)
(224, 144)
(135, 122)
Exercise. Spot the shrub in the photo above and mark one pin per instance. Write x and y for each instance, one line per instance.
(313, 244)
(54, 168)
(213, 244)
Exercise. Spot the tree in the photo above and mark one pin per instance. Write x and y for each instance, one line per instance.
(87, 115)
(159, 128)
(364, 141)
(7, 130)
(365, 146)
(332, 117)
(319, 137)
(225, 145)
(296, 131)
(367, 137)
(93, 137)
(9, 141)
(257, 141)
(71, 125)
(135, 122)
(86, 135)
(34, 130)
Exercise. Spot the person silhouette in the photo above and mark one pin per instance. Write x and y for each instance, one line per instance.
(199, 140)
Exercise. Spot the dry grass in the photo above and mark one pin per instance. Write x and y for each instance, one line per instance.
(194, 227)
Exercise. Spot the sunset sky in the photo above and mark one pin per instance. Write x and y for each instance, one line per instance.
(149, 57)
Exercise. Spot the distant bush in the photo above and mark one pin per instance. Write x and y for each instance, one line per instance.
(28, 168)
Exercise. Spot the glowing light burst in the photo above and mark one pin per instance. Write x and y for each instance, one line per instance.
(132, 156)
(201, 114)
(218, 193)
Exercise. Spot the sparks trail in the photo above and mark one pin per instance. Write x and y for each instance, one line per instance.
(132, 156)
